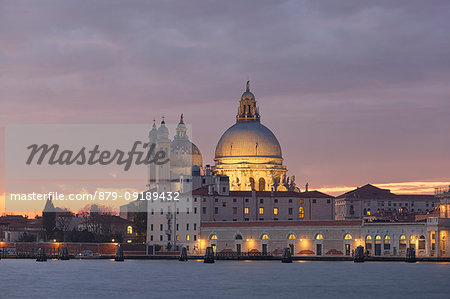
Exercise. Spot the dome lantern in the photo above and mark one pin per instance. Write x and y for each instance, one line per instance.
(247, 109)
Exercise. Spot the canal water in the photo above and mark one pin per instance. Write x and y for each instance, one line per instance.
(224, 279)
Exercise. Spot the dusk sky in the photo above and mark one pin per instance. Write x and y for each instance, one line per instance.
(356, 93)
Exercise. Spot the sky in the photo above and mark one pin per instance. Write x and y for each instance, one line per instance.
(356, 91)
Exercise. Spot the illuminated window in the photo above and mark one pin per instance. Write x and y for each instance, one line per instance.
(377, 239)
(402, 243)
(301, 213)
(187, 237)
(301, 200)
(368, 212)
(275, 211)
(178, 238)
(412, 242)
(368, 242)
(319, 237)
(246, 210)
(261, 211)
(213, 237)
(348, 237)
(291, 237)
(265, 237)
(129, 230)
(387, 243)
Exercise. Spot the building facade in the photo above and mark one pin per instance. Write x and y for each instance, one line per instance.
(328, 238)
(369, 200)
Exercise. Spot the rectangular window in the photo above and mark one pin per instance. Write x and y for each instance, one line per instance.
(178, 210)
(301, 213)
(187, 211)
(275, 211)
(328, 201)
(234, 200)
(151, 238)
(224, 204)
(216, 200)
(187, 226)
(234, 210)
(261, 200)
(261, 211)
(246, 210)
(301, 200)
(178, 226)
(153, 212)
(216, 210)
(151, 227)
(195, 226)
(160, 237)
(195, 237)
(162, 211)
(187, 238)
(161, 227)
(178, 238)
(195, 210)
(313, 201)
(290, 211)
(246, 200)
(204, 210)
(276, 200)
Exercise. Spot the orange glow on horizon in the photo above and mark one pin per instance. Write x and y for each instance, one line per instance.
(399, 188)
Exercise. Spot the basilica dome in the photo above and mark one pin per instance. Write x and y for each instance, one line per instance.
(248, 152)
(246, 139)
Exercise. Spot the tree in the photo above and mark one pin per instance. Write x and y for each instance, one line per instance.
(63, 222)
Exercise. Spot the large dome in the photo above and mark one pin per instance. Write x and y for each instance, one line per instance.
(248, 139)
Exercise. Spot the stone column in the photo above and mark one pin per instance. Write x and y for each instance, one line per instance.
(436, 244)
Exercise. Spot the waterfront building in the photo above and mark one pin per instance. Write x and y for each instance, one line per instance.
(246, 203)
(329, 238)
(369, 200)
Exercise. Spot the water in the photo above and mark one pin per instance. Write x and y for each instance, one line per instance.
(253, 279)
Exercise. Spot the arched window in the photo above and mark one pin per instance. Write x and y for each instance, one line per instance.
(422, 243)
(129, 229)
(301, 213)
(319, 237)
(387, 242)
(238, 237)
(264, 237)
(377, 239)
(252, 183)
(402, 243)
(291, 237)
(213, 237)
(262, 184)
(348, 237)
(368, 242)
(412, 241)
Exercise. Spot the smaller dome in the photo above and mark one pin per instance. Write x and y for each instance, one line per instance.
(163, 131)
(248, 95)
